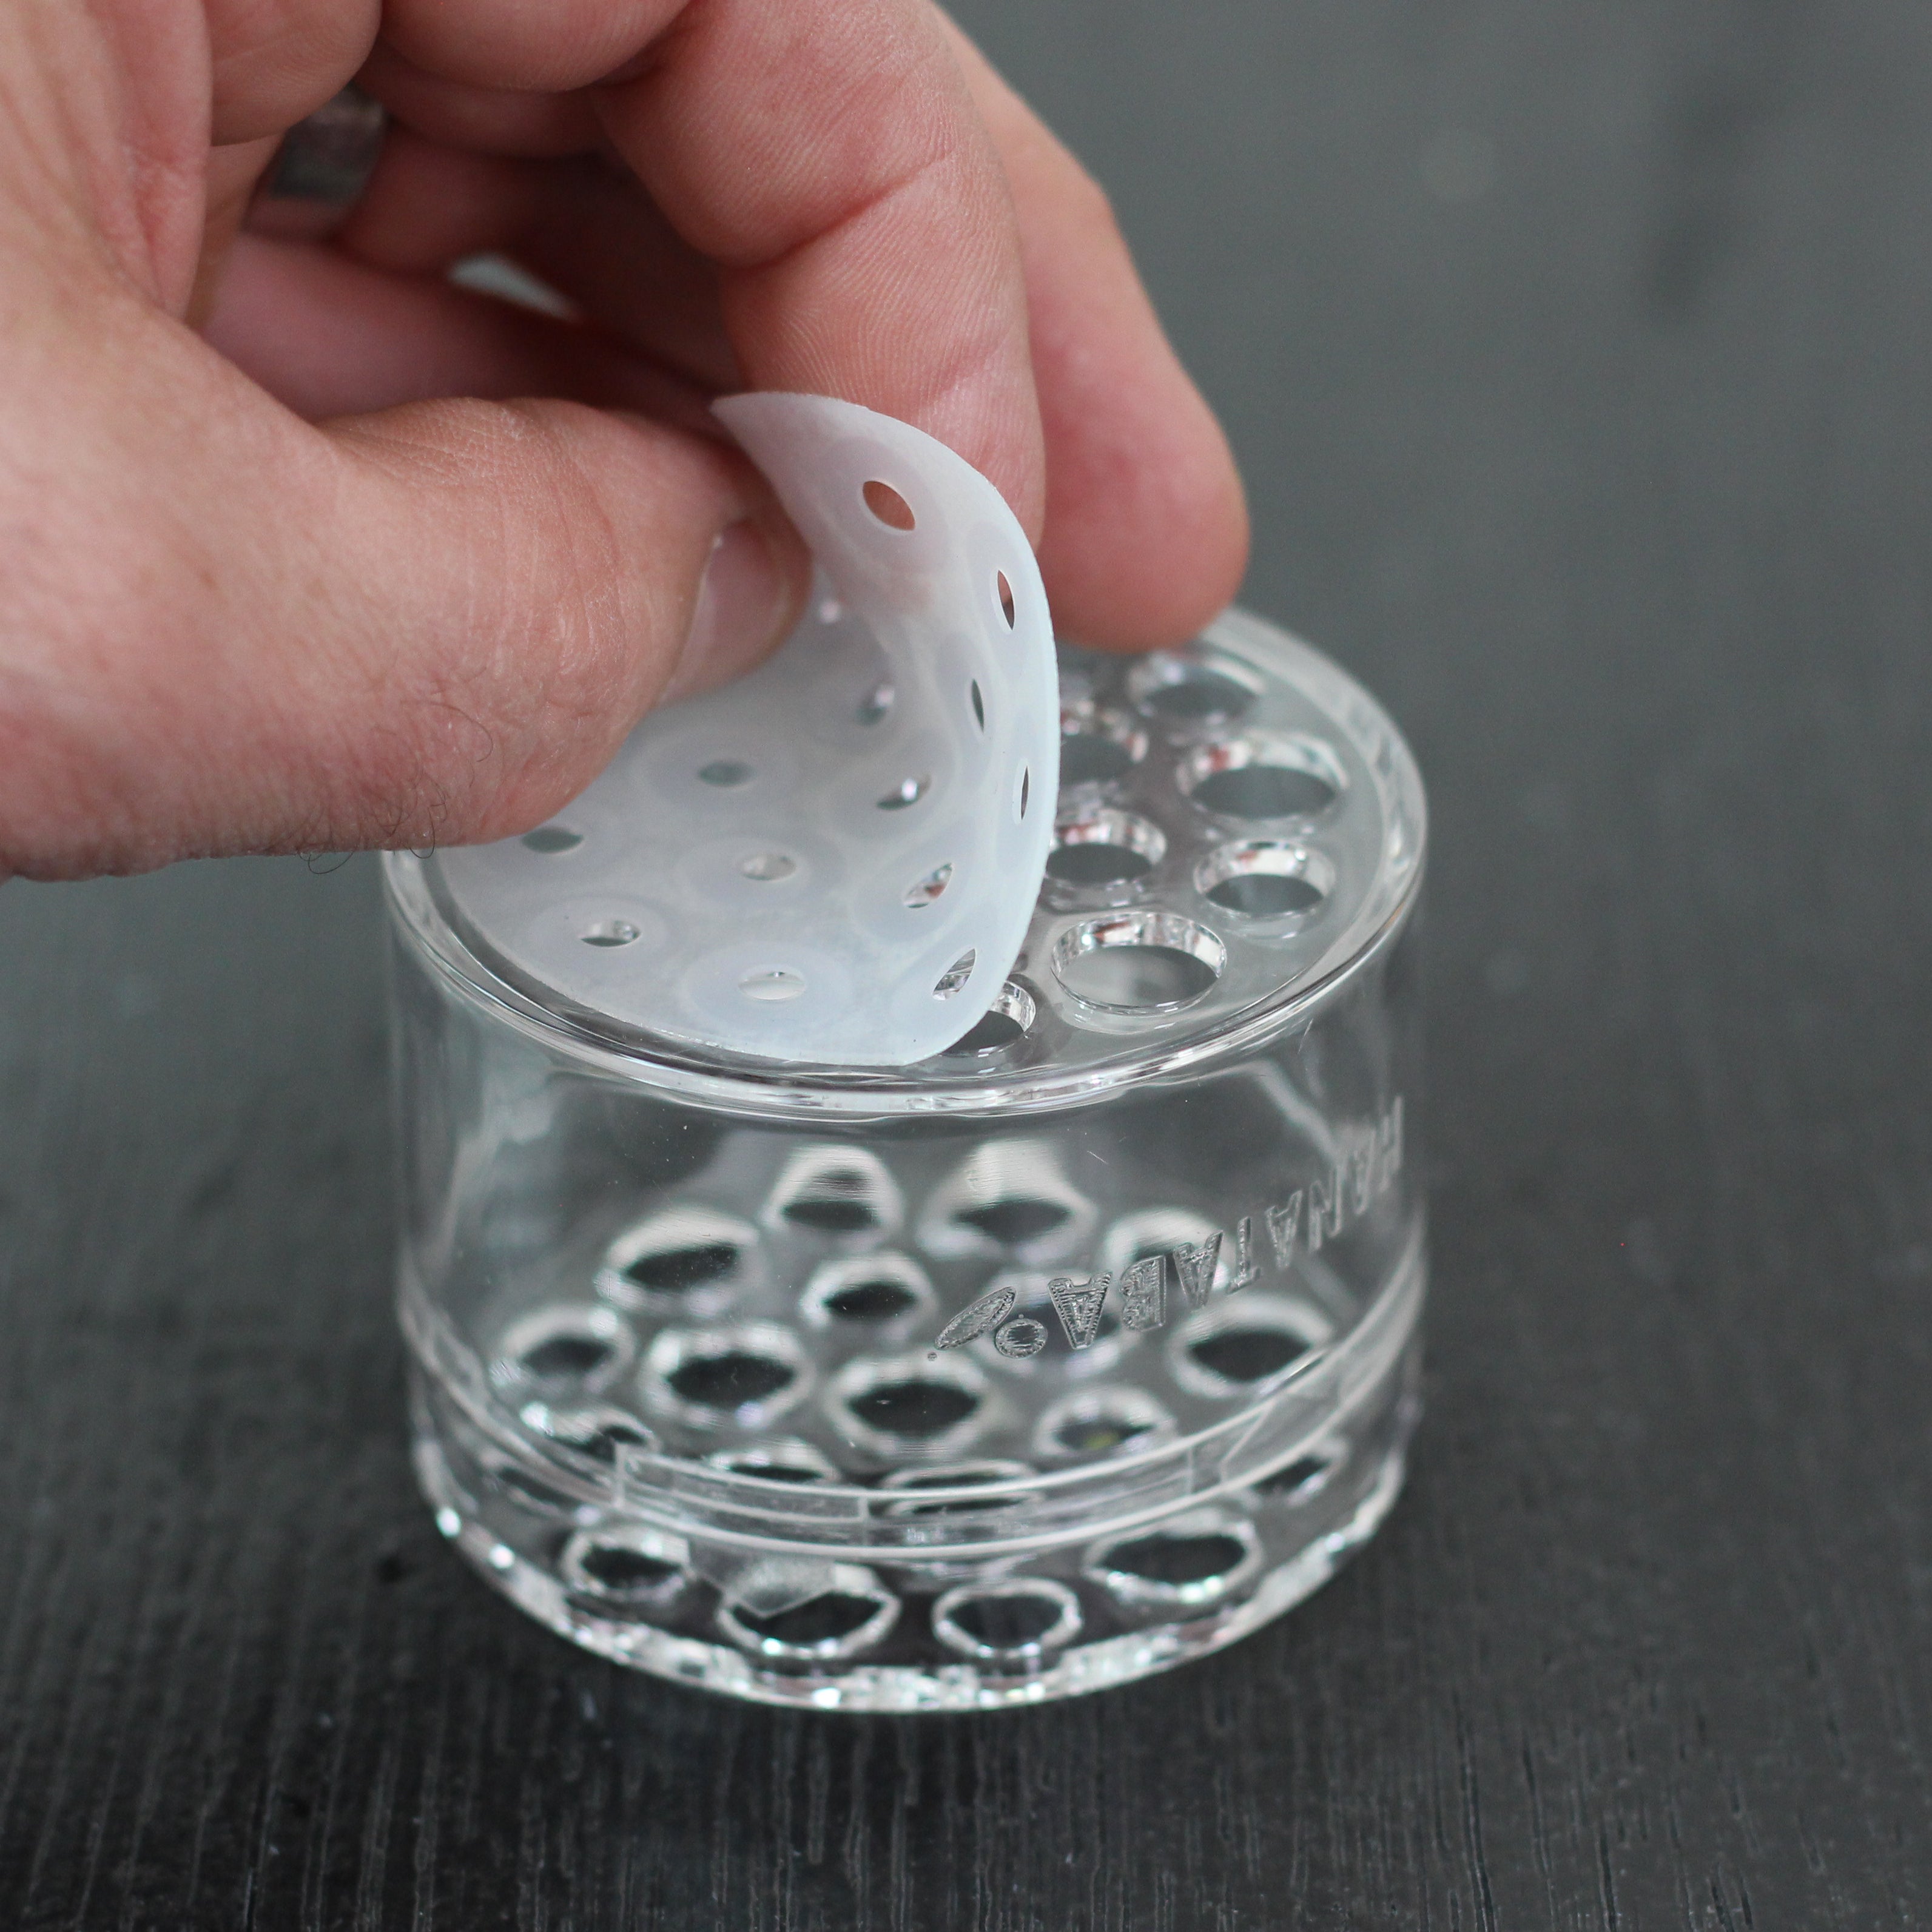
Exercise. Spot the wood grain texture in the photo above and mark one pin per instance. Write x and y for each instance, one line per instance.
(1577, 359)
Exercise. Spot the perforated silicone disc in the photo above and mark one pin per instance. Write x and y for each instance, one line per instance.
(836, 859)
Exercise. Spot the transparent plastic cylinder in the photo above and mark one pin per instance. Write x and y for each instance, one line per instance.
(1078, 1351)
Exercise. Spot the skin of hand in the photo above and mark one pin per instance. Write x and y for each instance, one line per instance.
(303, 548)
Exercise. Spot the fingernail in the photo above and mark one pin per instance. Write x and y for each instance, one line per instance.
(742, 600)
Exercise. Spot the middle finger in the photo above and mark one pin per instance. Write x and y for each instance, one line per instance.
(589, 232)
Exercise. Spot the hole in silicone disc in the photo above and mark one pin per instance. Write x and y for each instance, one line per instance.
(725, 771)
(771, 984)
(888, 505)
(923, 891)
(551, 838)
(768, 868)
(611, 932)
(908, 791)
(956, 975)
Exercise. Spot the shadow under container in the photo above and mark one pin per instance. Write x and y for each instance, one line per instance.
(1078, 1351)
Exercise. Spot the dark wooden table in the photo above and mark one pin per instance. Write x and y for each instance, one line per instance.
(1578, 357)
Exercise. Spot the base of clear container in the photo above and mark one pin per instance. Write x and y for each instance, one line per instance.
(876, 1688)
(1122, 1604)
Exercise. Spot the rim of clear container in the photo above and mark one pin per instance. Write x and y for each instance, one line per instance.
(744, 1086)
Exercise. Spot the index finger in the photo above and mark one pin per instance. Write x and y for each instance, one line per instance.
(830, 160)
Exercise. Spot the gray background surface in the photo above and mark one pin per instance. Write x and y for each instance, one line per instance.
(1577, 357)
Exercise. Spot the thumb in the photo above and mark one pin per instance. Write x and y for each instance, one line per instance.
(433, 625)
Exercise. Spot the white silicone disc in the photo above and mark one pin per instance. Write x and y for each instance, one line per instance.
(836, 859)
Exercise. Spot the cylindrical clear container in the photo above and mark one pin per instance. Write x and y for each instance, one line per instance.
(1075, 1351)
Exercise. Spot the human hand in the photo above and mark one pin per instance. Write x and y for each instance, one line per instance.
(375, 561)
